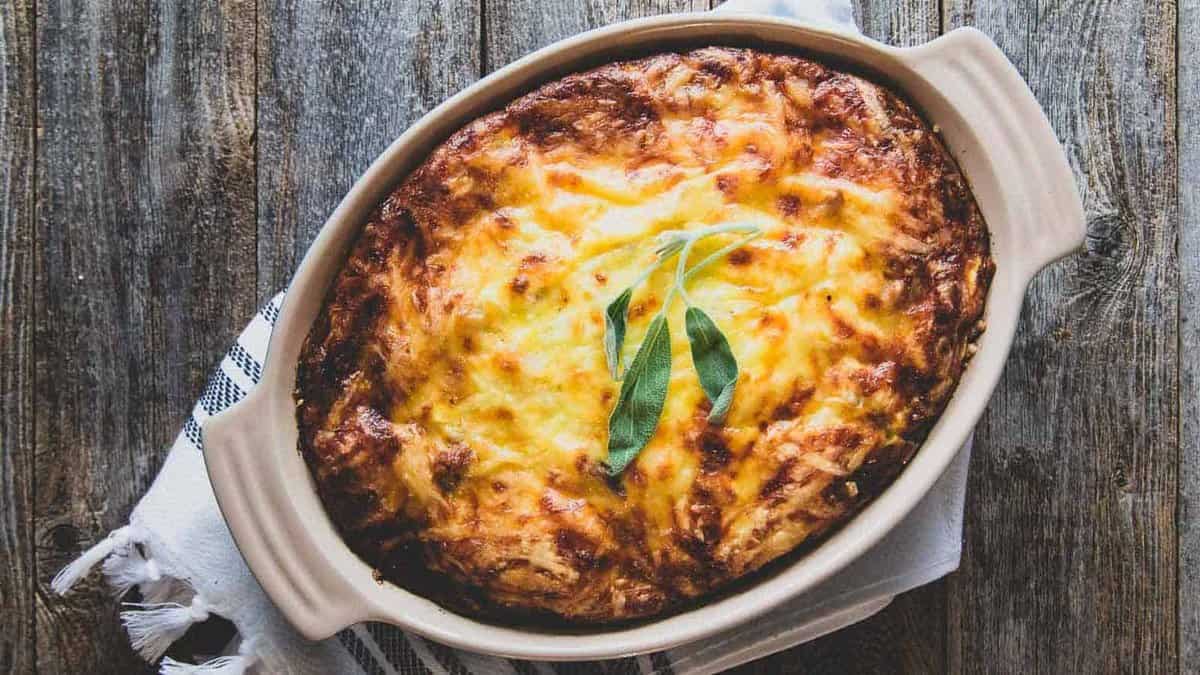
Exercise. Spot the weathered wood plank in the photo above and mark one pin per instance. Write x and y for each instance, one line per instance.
(908, 635)
(16, 339)
(517, 27)
(144, 267)
(903, 23)
(336, 85)
(1188, 97)
(1070, 561)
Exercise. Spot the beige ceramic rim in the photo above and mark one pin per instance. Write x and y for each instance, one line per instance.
(962, 82)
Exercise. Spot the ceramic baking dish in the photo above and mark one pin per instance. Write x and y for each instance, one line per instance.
(962, 83)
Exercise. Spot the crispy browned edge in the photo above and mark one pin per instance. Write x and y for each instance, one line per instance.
(333, 363)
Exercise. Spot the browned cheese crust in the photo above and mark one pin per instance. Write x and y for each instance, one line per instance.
(452, 395)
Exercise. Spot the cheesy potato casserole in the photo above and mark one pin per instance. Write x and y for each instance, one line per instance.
(454, 398)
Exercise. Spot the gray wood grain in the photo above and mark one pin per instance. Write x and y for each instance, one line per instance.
(1188, 97)
(336, 85)
(17, 136)
(1071, 533)
(144, 265)
(517, 27)
(902, 23)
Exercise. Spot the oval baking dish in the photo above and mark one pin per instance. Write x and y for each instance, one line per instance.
(961, 82)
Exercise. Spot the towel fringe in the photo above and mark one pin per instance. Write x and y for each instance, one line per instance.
(162, 618)
(119, 540)
(222, 665)
(153, 627)
(131, 568)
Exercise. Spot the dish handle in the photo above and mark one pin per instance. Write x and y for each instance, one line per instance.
(1000, 111)
(271, 536)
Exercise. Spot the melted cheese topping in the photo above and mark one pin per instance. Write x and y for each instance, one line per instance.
(454, 398)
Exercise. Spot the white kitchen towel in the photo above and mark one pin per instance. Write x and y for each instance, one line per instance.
(179, 554)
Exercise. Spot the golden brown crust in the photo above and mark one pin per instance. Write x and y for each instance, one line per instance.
(424, 413)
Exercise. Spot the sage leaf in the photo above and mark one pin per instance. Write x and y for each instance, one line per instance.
(643, 394)
(715, 365)
(644, 384)
(615, 317)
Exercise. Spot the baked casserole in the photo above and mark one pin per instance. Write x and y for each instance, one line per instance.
(455, 401)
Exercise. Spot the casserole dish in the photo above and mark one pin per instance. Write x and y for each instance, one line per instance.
(961, 82)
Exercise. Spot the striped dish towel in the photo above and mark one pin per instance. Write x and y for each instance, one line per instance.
(177, 551)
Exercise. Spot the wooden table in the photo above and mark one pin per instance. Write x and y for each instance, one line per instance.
(165, 164)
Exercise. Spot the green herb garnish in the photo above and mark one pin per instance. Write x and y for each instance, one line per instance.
(714, 362)
(615, 316)
(643, 394)
(644, 384)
